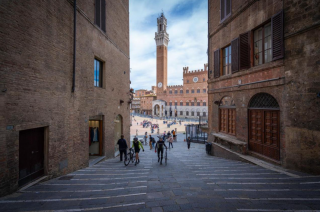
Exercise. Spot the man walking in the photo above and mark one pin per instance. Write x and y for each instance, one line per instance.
(170, 140)
(122, 147)
(189, 142)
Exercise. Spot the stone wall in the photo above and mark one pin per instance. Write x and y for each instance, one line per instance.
(36, 70)
(302, 65)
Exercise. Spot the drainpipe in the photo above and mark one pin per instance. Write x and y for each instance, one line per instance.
(74, 44)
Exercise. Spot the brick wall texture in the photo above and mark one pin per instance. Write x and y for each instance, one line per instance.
(36, 60)
(293, 81)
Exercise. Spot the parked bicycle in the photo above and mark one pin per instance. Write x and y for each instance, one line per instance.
(130, 157)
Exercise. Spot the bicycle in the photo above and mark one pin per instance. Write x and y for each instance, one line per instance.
(130, 157)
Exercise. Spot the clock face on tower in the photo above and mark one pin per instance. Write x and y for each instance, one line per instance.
(195, 79)
(159, 85)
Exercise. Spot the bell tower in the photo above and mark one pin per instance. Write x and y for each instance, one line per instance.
(162, 40)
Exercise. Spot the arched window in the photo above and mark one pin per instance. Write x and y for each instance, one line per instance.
(264, 125)
(227, 111)
(263, 100)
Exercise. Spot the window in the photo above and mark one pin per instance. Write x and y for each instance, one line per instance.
(187, 113)
(204, 90)
(187, 91)
(187, 103)
(170, 103)
(181, 103)
(227, 116)
(198, 103)
(98, 65)
(226, 60)
(192, 103)
(181, 113)
(166, 103)
(192, 113)
(204, 104)
(198, 90)
(204, 114)
(181, 91)
(176, 91)
(192, 91)
(176, 104)
(262, 45)
(225, 9)
(100, 14)
(198, 113)
(170, 92)
(204, 79)
(187, 81)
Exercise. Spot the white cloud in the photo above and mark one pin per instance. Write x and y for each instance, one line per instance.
(187, 28)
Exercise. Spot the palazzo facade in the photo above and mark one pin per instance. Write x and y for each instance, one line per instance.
(187, 100)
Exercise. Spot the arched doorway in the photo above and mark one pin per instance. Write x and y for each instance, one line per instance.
(264, 125)
(118, 130)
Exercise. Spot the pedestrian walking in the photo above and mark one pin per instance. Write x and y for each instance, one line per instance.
(150, 141)
(122, 147)
(170, 140)
(145, 138)
(159, 148)
(137, 132)
(189, 142)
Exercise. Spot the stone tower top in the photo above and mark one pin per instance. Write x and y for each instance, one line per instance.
(162, 37)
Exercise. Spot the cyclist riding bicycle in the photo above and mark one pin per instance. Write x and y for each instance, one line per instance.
(159, 148)
(136, 145)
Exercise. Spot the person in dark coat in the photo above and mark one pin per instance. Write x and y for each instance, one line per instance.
(122, 147)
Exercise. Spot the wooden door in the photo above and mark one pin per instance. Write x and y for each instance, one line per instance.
(264, 133)
(31, 155)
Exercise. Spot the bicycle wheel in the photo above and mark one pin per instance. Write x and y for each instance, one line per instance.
(127, 161)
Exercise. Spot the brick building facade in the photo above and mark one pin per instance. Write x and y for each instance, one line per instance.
(50, 125)
(187, 100)
(146, 103)
(264, 80)
(136, 105)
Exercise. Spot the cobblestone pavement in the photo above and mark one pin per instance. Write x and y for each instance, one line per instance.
(191, 181)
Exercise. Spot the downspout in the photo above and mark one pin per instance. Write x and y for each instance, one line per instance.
(208, 50)
(74, 44)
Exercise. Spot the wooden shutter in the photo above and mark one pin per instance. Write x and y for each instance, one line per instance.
(97, 13)
(235, 55)
(244, 50)
(277, 36)
(222, 9)
(217, 63)
(103, 15)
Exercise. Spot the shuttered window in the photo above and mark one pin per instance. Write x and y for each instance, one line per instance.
(226, 60)
(192, 103)
(262, 45)
(217, 63)
(100, 14)
(225, 9)
(198, 103)
(235, 55)
(204, 104)
(187, 103)
(277, 36)
(244, 50)
(181, 103)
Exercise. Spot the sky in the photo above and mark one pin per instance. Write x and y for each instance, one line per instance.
(187, 26)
